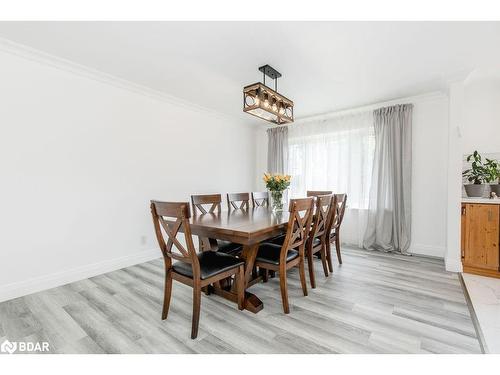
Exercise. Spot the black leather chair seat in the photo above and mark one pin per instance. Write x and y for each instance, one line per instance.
(270, 253)
(229, 247)
(211, 263)
(277, 240)
(316, 242)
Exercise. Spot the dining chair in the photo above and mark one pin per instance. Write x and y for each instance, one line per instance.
(315, 193)
(316, 242)
(197, 270)
(272, 257)
(334, 230)
(211, 204)
(310, 193)
(260, 199)
(238, 201)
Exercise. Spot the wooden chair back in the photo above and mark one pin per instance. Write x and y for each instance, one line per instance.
(341, 205)
(207, 203)
(322, 212)
(238, 201)
(181, 212)
(298, 226)
(260, 199)
(315, 193)
(332, 215)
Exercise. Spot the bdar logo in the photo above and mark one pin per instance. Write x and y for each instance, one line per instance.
(8, 347)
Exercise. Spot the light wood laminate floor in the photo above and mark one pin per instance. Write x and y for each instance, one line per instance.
(373, 303)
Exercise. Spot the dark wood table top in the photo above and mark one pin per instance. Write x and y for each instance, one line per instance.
(246, 227)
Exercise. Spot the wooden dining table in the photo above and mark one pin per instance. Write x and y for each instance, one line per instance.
(248, 227)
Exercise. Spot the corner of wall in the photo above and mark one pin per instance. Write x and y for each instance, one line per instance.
(454, 175)
(452, 265)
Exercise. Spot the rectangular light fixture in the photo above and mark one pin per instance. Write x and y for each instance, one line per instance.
(266, 103)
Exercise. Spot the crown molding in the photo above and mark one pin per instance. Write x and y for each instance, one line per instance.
(373, 106)
(458, 76)
(84, 71)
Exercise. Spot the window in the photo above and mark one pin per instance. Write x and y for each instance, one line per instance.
(334, 154)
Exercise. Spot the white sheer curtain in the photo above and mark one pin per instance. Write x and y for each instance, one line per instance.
(335, 154)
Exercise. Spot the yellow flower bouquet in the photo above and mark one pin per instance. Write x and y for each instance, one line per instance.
(276, 184)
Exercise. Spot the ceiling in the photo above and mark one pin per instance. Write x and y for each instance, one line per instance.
(326, 66)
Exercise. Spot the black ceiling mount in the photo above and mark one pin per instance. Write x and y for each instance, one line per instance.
(270, 71)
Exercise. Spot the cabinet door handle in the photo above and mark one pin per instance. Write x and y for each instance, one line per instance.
(463, 210)
(490, 215)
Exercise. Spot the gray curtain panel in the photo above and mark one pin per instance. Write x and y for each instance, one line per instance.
(277, 150)
(389, 221)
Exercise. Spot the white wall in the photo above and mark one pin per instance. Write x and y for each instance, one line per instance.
(474, 125)
(429, 178)
(481, 114)
(80, 160)
(454, 177)
(260, 156)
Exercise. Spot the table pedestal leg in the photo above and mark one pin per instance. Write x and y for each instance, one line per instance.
(252, 302)
(249, 253)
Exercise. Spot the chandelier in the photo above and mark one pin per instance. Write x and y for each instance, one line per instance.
(266, 103)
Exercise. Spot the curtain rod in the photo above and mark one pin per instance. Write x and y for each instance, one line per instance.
(371, 107)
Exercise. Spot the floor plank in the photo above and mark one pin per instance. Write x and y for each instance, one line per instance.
(373, 303)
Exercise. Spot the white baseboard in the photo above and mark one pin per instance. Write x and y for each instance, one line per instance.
(453, 265)
(427, 250)
(19, 289)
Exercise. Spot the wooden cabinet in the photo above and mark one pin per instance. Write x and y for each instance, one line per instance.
(480, 238)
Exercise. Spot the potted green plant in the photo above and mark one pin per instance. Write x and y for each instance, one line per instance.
(492, 169)
(476, 175)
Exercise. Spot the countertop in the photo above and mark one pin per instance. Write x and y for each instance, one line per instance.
(481, 200)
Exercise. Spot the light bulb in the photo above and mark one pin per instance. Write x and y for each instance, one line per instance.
(266, 103)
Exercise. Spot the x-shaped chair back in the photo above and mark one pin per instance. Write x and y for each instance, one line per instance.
(260, 199)
(341, 205)
(166, 233)
(238, 201)
(322, 214)
(208, 203)
(298, 226)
